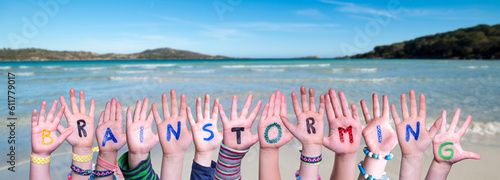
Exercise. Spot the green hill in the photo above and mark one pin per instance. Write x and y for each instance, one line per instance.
(479, 42)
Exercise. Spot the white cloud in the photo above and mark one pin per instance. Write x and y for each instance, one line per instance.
(313, 13)
(354, 8)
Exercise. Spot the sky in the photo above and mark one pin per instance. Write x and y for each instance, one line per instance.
(235, 28)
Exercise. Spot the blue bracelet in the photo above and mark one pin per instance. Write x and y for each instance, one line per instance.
(369, 177)
(377, 156)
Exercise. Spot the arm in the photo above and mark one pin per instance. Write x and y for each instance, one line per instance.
(447, 149)
(272, 136)
(206, 138)
(110, 138)
(344, 134)
(412, 147)
(136, 163)
(309, 131)
(238, 138)
(175, 138)
(83, 125)
(379, 137)
(44, 140)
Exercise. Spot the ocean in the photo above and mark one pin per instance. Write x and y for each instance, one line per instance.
(473, 86)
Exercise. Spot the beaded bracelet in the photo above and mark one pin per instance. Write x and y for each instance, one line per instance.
(311, 160)
(88, 158)
(377, 156)
(298, 177)
(81, 171)
(40, 161)
(369, 177)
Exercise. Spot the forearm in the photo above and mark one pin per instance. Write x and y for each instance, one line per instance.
(344, 166)
(203, 158)
(373, 167)
(229, 163)
(39, 171)
(171, 166)
(438, 171)
(143, 170)
(310, 171)
(108, 157)
(269, 164)
(411, 167)
(81, 151)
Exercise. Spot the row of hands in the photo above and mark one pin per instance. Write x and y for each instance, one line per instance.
(337, 112)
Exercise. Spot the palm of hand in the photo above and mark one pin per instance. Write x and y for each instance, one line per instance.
(174, 145)
(451, 151)
(273, 132)
(141, 144)
(199, 135)
(230, 133)
(75, 139)
(388, 135)
(335, 144)
(317, 129)
(37, 140)
(117, 131)
(413, 146)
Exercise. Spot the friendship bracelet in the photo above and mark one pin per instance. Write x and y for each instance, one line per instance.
(81, 171)
(88, 158)
(40, 161)
(310, 160)
(112, 167)
(298, 177)
(102, 174)
(369, 177)
(377, 156)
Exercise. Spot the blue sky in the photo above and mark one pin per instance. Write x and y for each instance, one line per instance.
(236, 28)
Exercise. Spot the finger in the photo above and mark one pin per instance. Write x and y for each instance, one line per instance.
(277, 102)
(101, 118)
(312, 100)
(67, 112)
(59, 114)
(41, 116)
(107, 111)
(471, 155)
(215, 109)
(52, 111)
(183, 106)
(272, 103)
(207, 106)
(464, 127)
(144, 109)
(443, 122)
(454, 121)
(303, 99)
(112, 115)
(422, 108)
(354, 112)
(64, 135)
(366, 112)
(234, 108)
(264, 112)
(288, 125)
(246, 107)
(164, 105)
(413, 104)
(345, 105)
(190, 118)
(255, 111)
(72, 101)
(335, 103)
(223, 116)
(61, 129)
(404, 107)
(151, 116)
(296, 106)
(119, 112)
(199, 115)
(34, 121)
(83, 110)
(322, 105)
(283, 106)
(435, 127)
(92, 108)
(156, 114)
(173, 101)
(395, 116)
(137, 111)
(385, 107)
(129, 117)
(330, 114)
(376, 109)
(254, 139)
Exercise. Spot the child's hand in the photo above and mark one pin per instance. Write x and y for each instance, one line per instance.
(345, 129)
(175, 137)
(378, 133)
(414, 138)
(237, 132)
(205, 134)
(140, 136)
(271, 115)
(110, 128)
(79, 121)
(44, 139)
(310, 123)
(446, 145)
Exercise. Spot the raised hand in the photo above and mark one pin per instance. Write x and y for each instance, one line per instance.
(378, 133)
(237, 131)
(109, 131)
(206, 137)
(446, 145)
(414, 138)
(44, 139)
(272, 134)
(344, 127)
(79, 121)
(175, 138)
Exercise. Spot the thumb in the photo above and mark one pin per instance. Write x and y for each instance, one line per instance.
(288, 124)
(63, 136)
(471, 155)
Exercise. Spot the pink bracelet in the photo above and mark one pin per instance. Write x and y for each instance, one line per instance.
(112, 167)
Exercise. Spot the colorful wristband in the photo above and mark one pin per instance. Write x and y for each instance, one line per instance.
(298, 177)
(369, 177)
(81, 171)
(40, 161)
(111, 167)
(377, 156)
(88, 158)
(311, 160)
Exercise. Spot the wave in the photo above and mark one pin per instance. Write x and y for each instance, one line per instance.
(476, 67)
(94, 68)
(268, 70)
(240, 66)
(145, 66)
(133, 72)
(187, 67)
(25, 73)
(24, 67)
(354, 70)
(484, 128)
(195, 72)
(50, 67)
(4, 67)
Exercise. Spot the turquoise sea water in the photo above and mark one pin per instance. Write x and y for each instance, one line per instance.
(473, 86)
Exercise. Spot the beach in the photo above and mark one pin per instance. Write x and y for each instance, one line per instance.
(472, 86)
